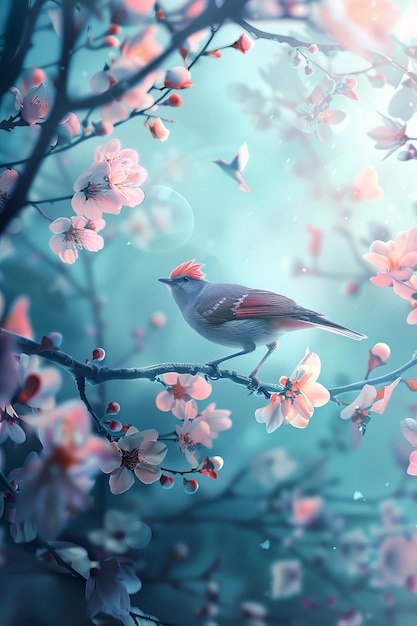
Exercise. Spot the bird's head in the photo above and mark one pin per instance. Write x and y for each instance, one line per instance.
(185, 281)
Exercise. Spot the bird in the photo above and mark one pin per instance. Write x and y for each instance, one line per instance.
(241, 317)
(235, 167)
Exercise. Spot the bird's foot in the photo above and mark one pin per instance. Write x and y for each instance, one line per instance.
(215, 374)
(254, 383)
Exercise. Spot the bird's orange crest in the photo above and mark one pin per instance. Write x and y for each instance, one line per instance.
(189, 268)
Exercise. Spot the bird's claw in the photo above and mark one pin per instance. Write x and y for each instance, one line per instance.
(216, 370)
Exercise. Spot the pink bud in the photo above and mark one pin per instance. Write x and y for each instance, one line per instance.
(99, 354)
(114, 425)
(167, 482)
(217, 462)
(37, 77)
(351, 288)
(114, 29)
(296, 62)
(111, 42)
(157, 129)
(53, 339)
(178, 78)
(244, 43)
(381, 350)
(160, 15)
(101, 128)
(158, 319)
(313, 49)
(113, 407)
(308, 70)
(190, 486)
(175, 100)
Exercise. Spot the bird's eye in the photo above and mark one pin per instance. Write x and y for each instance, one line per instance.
(185, 279)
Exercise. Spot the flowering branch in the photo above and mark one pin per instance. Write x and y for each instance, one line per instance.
(99, 374)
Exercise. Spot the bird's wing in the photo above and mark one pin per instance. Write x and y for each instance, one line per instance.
(236, 302)
(241, 158)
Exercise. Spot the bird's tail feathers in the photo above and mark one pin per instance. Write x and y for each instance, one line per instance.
(325, 324)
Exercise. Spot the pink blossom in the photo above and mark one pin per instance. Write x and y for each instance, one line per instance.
(390, 137)
(178, 78)
(8, 180)
(157, 129)
(350, 618)
(395, 260)
(182, 388)
(34, 106)
(315, 115)
(368, 400)
(125, 174)
(108, 588)
(201, 430)
(377, 356)
(412, 467)
(10, 427)
(301, 394)
(17, 320)
(136, 454)
(59, 478)
(244, 43)
(94, 194)
(365, 186)
(286, 579)
(76, 233)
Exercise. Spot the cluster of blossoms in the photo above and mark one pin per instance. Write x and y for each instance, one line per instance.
(301, 394)
(198, 428)
(396, 262)
(113, 180)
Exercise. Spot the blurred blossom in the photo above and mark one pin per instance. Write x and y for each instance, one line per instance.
(305, 511)
(253, 613)
(157, 129)
(181, 394)
(350, 618)
(9, 368)
(17, 319)
(59, 479)
(108, 589)
(397, 560)
(112, 537)
(391, 514)
(286, 579)
(390, 136)
(272, 467)
(135, 454)
(354, 548)
(74, 555)
(295, 404)
(409, 430)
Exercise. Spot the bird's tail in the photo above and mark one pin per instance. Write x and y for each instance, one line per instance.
(325, 324)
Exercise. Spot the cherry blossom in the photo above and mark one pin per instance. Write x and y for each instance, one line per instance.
(409, 430)
(390, 136)
(108, 588)
(34, 106)
(67, 128)
(412, 467)
(76, 233)
(301, 394)
(157, 129)
(395, 260)
(273, 467)
(286, 579)
(93, 193)
(125, 174)
(8, 180)
(59, 478)
(200, 431)
(136, 454)
(368, 400)
(182, 388)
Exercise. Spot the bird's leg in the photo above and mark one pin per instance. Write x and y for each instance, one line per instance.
(271, 347)
(217, 362)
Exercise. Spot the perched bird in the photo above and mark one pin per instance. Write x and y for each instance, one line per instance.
(235, 167)
(237, 316)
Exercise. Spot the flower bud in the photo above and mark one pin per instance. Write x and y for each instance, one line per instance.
(167, 482)
(313, 49)
(190, 486)
(99, 354)
(175, 100)
(113, 407)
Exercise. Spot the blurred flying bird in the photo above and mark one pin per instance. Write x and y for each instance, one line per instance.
(235, 167)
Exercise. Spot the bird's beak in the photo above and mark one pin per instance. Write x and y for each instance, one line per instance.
(167, 281)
